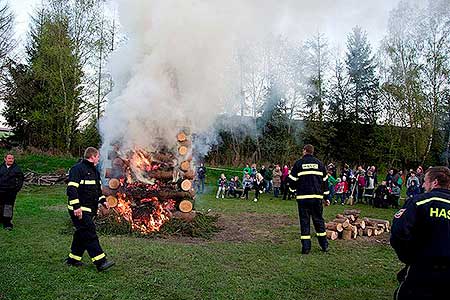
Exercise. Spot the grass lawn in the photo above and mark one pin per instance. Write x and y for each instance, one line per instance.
(264, 264)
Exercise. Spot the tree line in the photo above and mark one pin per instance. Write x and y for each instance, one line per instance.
(388, 105)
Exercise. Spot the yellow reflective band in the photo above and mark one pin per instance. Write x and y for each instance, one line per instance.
(74, 201)
(310, 173)
(98, 257)
(73, 183)
(310, 197)
(326, 192)
(293, 178)
(292, 190)
(325, 178)
(88, 182)
(305, 237)
(432, 199)
(321, 233)
(82, 208)
(101, 197)
(73, 256)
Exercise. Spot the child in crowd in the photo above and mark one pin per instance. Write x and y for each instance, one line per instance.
(259, 186)
(412, 190)
(231, 187)
(340, 191)
(247, 184)
(381, 196)
(237, 187)
(394, 196)
(222, 185)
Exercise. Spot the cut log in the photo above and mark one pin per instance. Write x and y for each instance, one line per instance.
(164, 175)
(340, 216)
(368, 231)
(347, 234)
(185, 166)
(332, 235)
(186, 185)
(178, 196)
(355, 212)
(114, 183)
(352, 218)
(182, 150)
(181, 136)
(189, 216)
(334, 226)
(354, 231)
(189, 174)
(112, 201)
(163, 157)
(345, 222)
(185, 206)
(360, 224)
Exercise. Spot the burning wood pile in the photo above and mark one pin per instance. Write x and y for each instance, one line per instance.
(146, 187)
(349, 226)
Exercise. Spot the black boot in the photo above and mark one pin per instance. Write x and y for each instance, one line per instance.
(105, 265)
(73, 263)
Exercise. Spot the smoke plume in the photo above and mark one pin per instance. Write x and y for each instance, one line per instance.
(178, 66)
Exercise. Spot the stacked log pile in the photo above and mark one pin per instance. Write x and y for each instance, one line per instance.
(147, 186)
(349, 225)
(44, 179)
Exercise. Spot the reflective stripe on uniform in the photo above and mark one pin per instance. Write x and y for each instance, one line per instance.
(74, 201)
(292, 190)
(293, 178)
(73, 183)
(88, 182)
(432, 199)
(82, 208)
(321, 233)
(325, 178)
(73, 256)
(101, 197)
(310, 173)
(310, 197)
(305, 237)
(326, 192)
(98, 257)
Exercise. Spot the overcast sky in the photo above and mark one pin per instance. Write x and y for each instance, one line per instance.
(336, 22)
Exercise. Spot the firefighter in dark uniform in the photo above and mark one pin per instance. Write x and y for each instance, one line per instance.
(309, 179)
(421, 238)
(84, 195)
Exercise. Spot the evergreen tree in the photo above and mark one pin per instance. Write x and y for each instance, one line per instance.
(363, 81)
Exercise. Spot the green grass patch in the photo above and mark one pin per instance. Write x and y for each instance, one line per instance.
(32, 257)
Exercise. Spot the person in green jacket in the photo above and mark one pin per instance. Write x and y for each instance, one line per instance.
(331, 183)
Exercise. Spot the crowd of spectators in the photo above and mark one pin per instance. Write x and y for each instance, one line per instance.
(346, 186)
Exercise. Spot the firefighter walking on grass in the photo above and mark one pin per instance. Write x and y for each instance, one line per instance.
(421, 238)
(84, 195)
(309, 180)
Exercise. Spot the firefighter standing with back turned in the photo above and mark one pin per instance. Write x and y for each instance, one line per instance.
(84, 194)
(421, 238)
(309, 179)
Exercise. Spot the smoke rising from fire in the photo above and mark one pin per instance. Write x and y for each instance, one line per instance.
(178, 66)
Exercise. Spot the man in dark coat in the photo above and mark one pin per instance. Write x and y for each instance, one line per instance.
(420, 237)
(11, 181)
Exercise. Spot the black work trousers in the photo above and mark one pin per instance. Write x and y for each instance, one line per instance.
(423, 282)
(7, 200)
(85, 238)
(311, 209)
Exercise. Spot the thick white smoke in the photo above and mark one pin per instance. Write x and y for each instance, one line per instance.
(178, 65)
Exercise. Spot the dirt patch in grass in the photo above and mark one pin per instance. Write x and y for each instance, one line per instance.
(248, 227)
